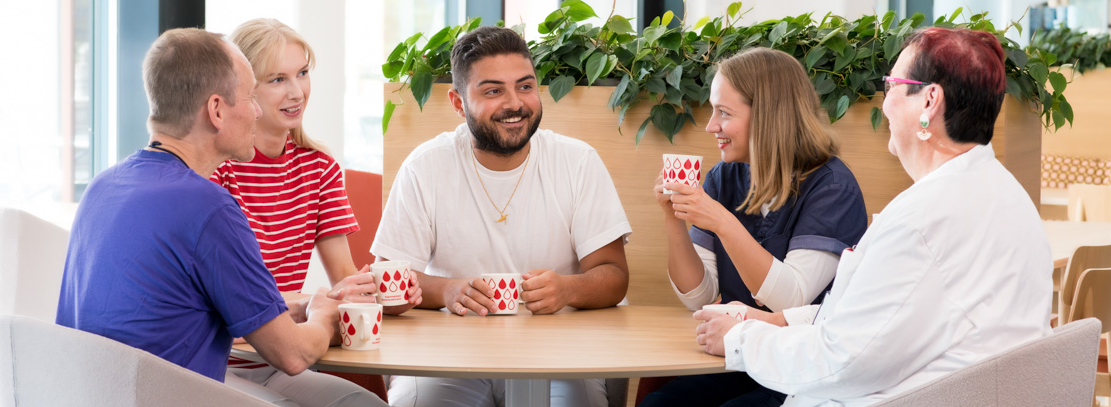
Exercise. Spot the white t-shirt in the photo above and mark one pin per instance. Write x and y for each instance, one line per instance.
(439, 218)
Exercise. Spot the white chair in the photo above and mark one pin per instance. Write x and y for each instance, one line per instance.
(1058, 370)
(43, 364)
(32, 257)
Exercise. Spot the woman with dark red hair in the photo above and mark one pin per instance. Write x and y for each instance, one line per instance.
(955, 269)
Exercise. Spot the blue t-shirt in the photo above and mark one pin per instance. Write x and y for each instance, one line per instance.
(827, 214)
(162, 259)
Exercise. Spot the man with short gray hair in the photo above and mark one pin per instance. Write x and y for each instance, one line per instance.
(162, 259)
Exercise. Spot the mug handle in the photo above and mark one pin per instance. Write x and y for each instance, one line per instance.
(364, 320)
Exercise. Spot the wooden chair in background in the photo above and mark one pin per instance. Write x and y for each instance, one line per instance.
(364, 193)
(1089, 203)
(1092, 301)
(1085, 257)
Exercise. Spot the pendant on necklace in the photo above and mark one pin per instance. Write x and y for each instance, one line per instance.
(501, 219)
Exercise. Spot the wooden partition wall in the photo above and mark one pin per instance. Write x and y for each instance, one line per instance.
(1090, 134)
(583, 114)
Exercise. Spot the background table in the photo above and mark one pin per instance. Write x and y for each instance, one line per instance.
(1065, 236)
(617, 342)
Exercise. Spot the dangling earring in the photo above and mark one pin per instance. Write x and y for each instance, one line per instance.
(925, 122)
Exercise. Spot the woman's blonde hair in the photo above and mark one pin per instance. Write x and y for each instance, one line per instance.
(263, 42)
(788, 135)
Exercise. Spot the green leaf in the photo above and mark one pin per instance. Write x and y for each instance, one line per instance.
(619, 24)
(701, 22)
(843, 60)
(1066, 110)
(656, 85)
(691, 89)
(594, 66)
(387, 113)
(611, 62)
(1037, 70)
(543, 68)
(892, 46)
(1058, 81)
(643, 126)
(672, 41)
(813, 56)
(674, 76)
(1018, 57)
(842, 107)
(666, 20)
(956, 13)
(1058, 120)
(664, 118)
(778, 32)
(437, 40)
(578, 10)
(653, 34)
(559, 86)
(397, 51)
(877, 118)
(412, 40)
(674, 95)
(733, 9)
(392, 68)
(422, 87)
(823, 84)
(615, 98)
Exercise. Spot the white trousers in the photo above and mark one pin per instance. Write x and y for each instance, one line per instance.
(408, 391)
(308, 389)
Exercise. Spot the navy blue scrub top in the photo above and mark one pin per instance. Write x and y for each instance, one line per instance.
(827, 214)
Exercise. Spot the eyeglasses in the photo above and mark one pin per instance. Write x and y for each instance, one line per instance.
(890, 82)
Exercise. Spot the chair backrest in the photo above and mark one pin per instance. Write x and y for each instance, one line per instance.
(32, 257)
(1057, 370)
(364, 192)
(1085, 257)
(1093, 297)
(43, 364)
(1089, 202)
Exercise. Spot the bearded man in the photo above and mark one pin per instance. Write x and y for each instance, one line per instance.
(497, 195)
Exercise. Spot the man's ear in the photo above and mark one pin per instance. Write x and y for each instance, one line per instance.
(456, 100)
(214, 108)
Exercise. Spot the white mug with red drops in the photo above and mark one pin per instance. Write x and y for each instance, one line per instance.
(393, 278)
(362, 326)
(683, 169)
(507, 290)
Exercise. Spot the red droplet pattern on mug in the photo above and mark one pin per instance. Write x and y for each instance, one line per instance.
(686, 170)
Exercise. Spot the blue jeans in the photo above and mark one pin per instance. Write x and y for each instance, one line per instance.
(733, 389)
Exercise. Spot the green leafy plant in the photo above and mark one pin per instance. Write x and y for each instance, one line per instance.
(1085, 52)
(672, 68)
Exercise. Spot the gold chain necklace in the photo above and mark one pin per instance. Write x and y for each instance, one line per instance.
(502, 210)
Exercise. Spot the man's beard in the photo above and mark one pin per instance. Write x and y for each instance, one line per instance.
(486, 133)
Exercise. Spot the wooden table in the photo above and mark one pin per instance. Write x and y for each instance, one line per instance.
(529, 350)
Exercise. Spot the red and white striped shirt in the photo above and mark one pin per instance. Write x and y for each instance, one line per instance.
(290, 201)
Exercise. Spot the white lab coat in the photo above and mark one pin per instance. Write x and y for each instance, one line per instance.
(955, 269)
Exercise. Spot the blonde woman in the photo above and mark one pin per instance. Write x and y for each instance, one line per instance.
(294, 197)
(770, 221)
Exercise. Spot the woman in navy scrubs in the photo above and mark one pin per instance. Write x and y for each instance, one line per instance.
(771, 219)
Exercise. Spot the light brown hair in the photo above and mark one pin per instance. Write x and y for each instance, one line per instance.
(263, 42)
(182, 69)
(788, 136)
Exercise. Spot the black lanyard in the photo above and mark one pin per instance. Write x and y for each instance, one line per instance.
(157, 146)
